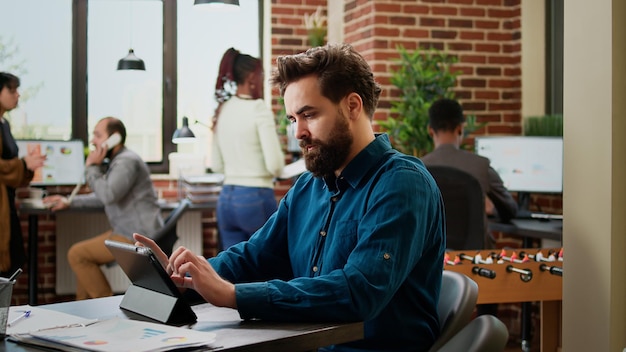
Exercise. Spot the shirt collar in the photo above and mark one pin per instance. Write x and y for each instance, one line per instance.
(358, 168)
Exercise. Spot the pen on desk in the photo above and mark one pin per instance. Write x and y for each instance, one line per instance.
(24, 315)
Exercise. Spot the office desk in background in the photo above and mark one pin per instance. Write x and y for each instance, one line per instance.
(530, 228)
(33, 234)
(233, 334)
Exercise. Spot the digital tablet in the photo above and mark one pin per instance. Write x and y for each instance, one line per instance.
(146, 273)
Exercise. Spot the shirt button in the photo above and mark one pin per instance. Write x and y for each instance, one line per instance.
(315, 269)
(322, 233)
(387, 256)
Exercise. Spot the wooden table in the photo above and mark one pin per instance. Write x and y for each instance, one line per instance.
(233, 334)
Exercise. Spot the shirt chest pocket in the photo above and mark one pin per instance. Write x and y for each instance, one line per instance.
(342, 238)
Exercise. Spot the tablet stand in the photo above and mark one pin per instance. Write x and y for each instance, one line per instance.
(158, 306)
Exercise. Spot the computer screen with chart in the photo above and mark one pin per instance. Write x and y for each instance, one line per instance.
(525, 164)
(65, 161)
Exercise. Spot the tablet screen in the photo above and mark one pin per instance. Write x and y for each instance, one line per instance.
(142, 267)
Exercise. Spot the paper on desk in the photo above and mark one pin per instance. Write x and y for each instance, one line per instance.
(119, 334)
(40, 318)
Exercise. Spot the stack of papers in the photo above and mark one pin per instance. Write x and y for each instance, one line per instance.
(203, 188)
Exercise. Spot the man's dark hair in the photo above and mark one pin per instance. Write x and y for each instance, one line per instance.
(445, 115)
(340, 70)
(8, 80)
(116, 125)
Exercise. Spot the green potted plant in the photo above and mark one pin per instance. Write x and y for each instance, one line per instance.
(546, 125)
(422, 77)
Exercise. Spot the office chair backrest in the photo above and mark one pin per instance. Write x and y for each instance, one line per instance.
(457, 301)
(486, 333)
(167, 236)
(464, 203)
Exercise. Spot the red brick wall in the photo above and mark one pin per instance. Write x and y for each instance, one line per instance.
(485, 36)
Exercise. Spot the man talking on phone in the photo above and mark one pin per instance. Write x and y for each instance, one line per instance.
(120, 182)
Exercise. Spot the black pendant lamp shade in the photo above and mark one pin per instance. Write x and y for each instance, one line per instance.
(131, 62)
(183, 134)
(225, 2)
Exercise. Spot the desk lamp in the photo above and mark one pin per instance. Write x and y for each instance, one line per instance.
(183, 134)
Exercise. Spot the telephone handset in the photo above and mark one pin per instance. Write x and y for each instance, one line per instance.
(112, 141)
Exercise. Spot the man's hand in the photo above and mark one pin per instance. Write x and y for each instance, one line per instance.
(96, 156)
(194, 271)
(202, 277)
(489, 207)
(56, 202)
(144, 241)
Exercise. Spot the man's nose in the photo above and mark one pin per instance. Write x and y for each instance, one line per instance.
(301, 131)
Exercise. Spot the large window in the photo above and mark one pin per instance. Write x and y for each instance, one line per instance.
(135, 97)
(66, 53)
(204, 34)
(35, 45)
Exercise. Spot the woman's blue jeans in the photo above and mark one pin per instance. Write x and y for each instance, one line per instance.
(241, 211)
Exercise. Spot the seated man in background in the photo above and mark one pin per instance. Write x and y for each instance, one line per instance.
(357, 238)
(446, 122)
(445, 125)
(123, 186)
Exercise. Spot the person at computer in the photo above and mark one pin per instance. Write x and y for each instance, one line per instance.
(359, 237)
(124, 188)
(14, 172)
(445, 125)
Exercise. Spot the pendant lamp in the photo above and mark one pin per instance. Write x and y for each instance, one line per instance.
(183, 134)
(131, 62)
(222, 2)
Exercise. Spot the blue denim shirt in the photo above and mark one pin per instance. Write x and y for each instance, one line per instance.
(367, 246)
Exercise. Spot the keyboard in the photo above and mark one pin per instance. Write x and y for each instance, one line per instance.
(525, 214)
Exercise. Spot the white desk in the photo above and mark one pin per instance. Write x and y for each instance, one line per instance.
(233, 334)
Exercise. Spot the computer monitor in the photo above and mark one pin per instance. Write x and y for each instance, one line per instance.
(65, 162)
(525, 164)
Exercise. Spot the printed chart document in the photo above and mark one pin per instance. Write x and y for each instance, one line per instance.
(116, 335)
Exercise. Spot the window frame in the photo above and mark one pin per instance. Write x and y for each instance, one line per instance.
(170, 81)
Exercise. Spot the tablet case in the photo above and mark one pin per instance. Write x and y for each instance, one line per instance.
(152, 293)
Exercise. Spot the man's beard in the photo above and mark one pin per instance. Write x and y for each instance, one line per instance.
(328, 156)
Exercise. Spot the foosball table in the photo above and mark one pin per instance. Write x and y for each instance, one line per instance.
(518, 275)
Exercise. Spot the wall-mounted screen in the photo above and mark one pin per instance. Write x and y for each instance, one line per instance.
(525, 164)
(65, 161)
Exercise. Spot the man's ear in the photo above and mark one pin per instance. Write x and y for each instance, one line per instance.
(355, 105)
(459, 130)
(431, 132)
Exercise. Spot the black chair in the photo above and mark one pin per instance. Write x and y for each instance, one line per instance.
(167, 236)
(485, 333)
(457, 301)
(464, 203)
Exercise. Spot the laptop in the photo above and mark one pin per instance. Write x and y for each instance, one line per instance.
(152, 293)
